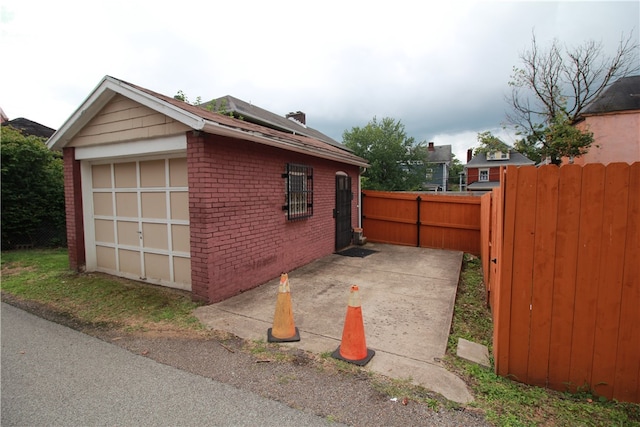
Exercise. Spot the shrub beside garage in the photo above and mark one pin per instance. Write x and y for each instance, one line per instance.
(32, 177)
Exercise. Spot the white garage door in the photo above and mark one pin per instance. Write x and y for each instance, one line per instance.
(141, 220)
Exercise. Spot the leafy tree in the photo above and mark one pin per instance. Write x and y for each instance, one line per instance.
(181, 96)
(552, 88)
(558, 139)
(214, 106)
(529, 146)
(489, 142)
(397, 162)
(32, 189)
(456, 168)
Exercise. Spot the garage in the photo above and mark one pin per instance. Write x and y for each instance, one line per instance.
(140, 221)
(174, 194)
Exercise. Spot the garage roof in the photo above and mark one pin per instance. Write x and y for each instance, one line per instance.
(257, 115)
(198, 119)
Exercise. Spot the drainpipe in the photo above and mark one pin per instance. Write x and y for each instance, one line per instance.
(362, 170)
(359, 207)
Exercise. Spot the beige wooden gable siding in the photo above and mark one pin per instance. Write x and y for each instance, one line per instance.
(124, 120)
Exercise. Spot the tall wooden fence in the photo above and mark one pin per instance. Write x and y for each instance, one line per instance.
(561, 251)
(426, 220)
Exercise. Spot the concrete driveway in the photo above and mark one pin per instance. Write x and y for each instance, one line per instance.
(407, 296)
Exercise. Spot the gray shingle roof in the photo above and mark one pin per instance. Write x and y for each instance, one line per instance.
(29, 127)
(515, 159)
(622, 95)
(483, 185)
(257, 115)
(440, 154)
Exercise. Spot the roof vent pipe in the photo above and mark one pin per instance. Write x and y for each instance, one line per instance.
(298, 116)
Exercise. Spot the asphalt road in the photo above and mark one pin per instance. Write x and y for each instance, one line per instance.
(53, 375)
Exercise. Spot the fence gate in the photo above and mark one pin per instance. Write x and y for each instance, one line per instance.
(563, 277)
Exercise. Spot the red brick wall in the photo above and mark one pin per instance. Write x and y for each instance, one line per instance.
(494, 174)
(73, 209)
(473, 174)
(240, 236)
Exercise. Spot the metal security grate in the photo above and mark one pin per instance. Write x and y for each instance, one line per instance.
(298, 191)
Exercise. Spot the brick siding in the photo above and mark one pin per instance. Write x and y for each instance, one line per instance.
(73, 210)
(494, 174)
(240, 236)
(473, 174)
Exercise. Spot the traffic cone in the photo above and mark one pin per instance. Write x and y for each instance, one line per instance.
(284, 330)
(353, 348)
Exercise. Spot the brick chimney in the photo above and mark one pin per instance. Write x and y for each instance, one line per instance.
(469, 154)
(431, 147)
(298, 116)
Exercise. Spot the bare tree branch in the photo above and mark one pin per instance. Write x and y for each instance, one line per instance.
(564, 80)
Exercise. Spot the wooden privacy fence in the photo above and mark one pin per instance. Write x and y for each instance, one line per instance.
(438, 221)
(561, 251)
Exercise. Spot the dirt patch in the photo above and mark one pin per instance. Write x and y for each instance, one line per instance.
(15, 269)
(61, 317)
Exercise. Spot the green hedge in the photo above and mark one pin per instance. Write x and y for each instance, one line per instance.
(32, 192)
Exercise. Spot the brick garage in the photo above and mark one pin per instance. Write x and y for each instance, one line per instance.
(168, 193)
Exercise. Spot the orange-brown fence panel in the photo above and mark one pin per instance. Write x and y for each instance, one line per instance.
(566, 290)
(626, 384)
(485, 237)
(564, 280)
(496, 236)
(588, 272)
(438, 221)
(390, 217)
(612, 241)
(450, 222)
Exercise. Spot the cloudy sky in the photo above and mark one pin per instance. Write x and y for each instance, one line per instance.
(441, 68)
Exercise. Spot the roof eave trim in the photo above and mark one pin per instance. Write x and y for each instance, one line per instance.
(585, 114)
(185, 117)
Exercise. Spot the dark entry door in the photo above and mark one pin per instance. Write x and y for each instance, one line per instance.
(342, 213)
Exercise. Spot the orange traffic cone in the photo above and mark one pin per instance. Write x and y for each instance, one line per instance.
(283, 329)
(353, 348)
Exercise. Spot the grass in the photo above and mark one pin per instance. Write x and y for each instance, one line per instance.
(42, 276)
(508, 403)
(472, 318)
(268, 351)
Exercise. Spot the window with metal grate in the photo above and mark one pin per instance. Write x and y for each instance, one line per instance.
(298, 191)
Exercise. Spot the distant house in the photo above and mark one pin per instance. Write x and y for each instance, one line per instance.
(438, 163)
(614, 119)
(483, 170)
(162, 191)
(29, 127)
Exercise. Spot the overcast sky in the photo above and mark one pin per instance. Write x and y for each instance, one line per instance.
(441, 68)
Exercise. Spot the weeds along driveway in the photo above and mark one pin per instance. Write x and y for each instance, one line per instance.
(407, 296)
